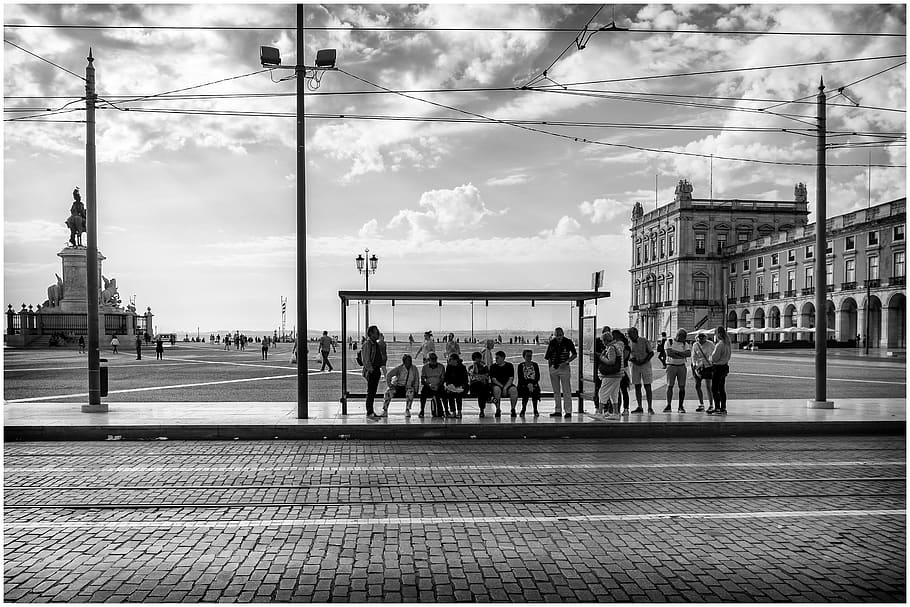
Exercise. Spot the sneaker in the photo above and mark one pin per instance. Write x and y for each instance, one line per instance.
(557, 414)
(420, 414)
(625, 411)
(522, 413)
(407, 413)
(639, 410)
(567, 415)
(682, 409)
(481, 414)
(722, 412)
(498, 413)
(668, 409)
(711, 412)
(536, 414)
(650, 411)
(700, 408)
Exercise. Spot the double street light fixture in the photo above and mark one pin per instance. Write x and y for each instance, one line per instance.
(366, 265)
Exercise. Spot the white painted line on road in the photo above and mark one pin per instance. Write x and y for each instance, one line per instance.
(444, 520)
(219, 362)
(124, 391)
(84, 368)
(865, 381)
(333, 469)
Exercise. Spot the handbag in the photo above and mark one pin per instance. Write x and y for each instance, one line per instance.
(697, 372)
(608, 368)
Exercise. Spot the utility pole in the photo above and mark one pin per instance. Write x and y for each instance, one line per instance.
(91, 254)
(821, 276)
(300, 72)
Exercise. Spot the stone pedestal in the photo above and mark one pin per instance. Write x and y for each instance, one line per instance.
(75, 279)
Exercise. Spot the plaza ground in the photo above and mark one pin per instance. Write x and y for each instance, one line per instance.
(207, 373)
(734, 519)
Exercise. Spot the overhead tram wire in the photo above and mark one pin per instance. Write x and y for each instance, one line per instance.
(37, 56)
(604, 143)
(354, 28)
(543, 73)
(838, 91)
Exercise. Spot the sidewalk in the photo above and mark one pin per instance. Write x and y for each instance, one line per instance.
(271, 420)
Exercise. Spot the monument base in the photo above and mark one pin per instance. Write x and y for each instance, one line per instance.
(102, 408)
(820, 404)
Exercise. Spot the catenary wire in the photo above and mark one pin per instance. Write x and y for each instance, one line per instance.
(542, 73)
(43, 59)
(448, 29)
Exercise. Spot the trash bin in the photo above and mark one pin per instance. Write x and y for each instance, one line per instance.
(103, 370)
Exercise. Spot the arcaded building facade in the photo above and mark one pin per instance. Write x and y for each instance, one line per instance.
(751, 264)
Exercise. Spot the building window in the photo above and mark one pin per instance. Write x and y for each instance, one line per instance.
(810, 277)
(733, 268)
(899, 267)
(873, 238)
(699, 243)
(809, 252)
(850, 270)
(646, 253)
(732, 293)
(761, 262)
(849, 243)
(663, 248)
(638, 255)
(635, 296)
(742, 237)
(701, 289)
(775, 282)
(745, 287)
(760, 285)
(873, 267)
(670, 290)
(791, 280)
(829, 274)
(775, 259)
(745, 264)
(660, 291)
(654, 248)
(721, 242)
(898, 233)
(829, 247)
(791, 255)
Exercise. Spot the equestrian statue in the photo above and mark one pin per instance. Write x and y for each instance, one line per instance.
(76, 220)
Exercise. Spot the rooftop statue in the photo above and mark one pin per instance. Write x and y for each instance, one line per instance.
(683, 191)
(76, 220)
(799, 192)
(637, 211)
(110, 296)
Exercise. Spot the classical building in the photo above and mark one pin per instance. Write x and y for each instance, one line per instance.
(750, 264)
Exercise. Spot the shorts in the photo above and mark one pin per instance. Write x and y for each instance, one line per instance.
(675, 372)
(641, 374)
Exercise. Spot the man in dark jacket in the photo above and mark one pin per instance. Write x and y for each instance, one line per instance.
(371, 368)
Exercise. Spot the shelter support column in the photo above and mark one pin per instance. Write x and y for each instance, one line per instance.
(581, 315)
(344, 357)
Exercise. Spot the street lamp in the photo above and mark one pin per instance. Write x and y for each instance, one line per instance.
(366, 265)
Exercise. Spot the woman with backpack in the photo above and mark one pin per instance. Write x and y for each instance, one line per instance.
(609, 368)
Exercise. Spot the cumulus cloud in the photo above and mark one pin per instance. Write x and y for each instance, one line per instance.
(444, 211)
(35, 230)
(369, 230)
(516, 179)
(564, 227)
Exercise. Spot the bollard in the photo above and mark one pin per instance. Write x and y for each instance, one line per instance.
(103, 370)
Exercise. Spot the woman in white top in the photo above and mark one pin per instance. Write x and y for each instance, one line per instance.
(720, 360)
(428, 346)
(677, 353)
(702, 350)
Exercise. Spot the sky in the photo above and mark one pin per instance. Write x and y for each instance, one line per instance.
(445, 152)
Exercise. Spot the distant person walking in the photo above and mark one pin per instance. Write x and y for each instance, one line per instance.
(371, 368)
(720, 360)
(159, 349)
(560, 353)
(227, 342)
(426, 347)
(326, 344)
(640, 357)
(115, 343)
(265, 349)
(452, 347)
(487, 356)
(677, 352)
(662, 349)
(81, 344)
(138, 347)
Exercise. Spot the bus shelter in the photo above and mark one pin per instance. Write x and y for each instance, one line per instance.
(585, 301)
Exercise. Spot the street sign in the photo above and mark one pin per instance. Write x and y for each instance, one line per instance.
(700, 323)
(597, 280)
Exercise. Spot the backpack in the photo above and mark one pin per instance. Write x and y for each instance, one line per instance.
(607, 368)
(360, 357)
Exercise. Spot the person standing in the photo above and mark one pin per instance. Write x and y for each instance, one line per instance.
(624, 383)
(560, 353)
(383, 354)
(528, 382)
(326, 343)
(487, 357)
(720, 360)
(702, 370)
(138, 347)
(148, 338)
(452, 347)
(640, 357)
(81, 344)
(479, 380)
(428, 346)
(456, 385)
(677, 352)
(159, 349)
(371, 367)
(265, 349)
(609, 368)
(662, 349)
(227, 342)
(115, 343)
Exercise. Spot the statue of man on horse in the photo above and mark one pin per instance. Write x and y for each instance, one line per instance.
(76, 220)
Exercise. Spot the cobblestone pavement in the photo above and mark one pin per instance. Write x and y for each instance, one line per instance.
(734, 519)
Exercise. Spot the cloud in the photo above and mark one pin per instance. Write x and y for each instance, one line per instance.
(369, 230)
(564, 227)
(605, 210)
(35, 230)
(443, 212)
(516, 179)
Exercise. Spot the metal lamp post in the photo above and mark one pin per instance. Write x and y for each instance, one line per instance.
(366, 265)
